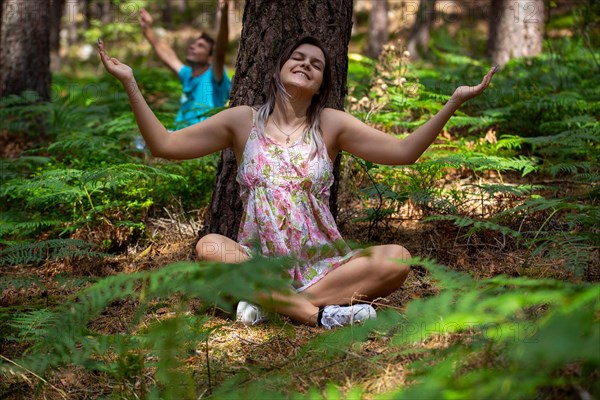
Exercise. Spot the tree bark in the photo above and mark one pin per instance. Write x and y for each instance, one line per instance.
(268, 28)
(420, 32)
(378, 27)
(25, 47)
(516, 29)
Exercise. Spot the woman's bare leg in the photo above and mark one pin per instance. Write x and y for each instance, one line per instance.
(375, 274)
(219, 248)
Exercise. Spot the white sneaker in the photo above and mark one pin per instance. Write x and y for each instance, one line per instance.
(339, 316)
(249, 314)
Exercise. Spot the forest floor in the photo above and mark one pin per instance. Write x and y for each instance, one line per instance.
(274, 346)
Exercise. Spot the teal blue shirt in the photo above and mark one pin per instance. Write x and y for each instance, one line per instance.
(200, 95)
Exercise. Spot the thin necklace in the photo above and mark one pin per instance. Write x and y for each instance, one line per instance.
(287, 135)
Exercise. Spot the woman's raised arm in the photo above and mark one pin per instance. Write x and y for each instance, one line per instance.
(198, 140)
(373, 145)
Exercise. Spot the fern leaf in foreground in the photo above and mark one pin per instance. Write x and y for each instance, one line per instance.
(67, 339)
(54, 249)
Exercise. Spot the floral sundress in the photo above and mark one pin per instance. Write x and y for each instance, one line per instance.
(286, 207)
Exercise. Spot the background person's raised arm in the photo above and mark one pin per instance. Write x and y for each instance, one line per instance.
(222, 42)
(198, 140)
(162, 49)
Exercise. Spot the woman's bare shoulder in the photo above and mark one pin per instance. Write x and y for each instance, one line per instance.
(237, 119)
(333, 121)
(331, 115)
(238, 111)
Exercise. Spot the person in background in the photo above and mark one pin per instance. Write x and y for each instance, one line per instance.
(203, 75)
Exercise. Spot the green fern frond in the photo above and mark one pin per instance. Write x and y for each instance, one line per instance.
(54, 249)
(484, 162)
(18, 282)
(572, 138)
(81, 143)
(68, 340)
(578, 121)
(538, 204)
(475, 124)
(19, 112)
(427, 200)
(121, 126)
(49, 180)
(22, 166)
(116, 175)
(573, 250)
(571, 103)
(511, 142)
(492, 189)
(26, 97)
(31, 326)
(65, 281)
(475, 225)
(22, 224)
(585, 216)
(592, 177)
(570, 167)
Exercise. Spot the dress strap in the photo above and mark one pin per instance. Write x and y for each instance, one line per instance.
(253, 116)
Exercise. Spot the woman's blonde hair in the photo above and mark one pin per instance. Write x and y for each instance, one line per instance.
(313, 133)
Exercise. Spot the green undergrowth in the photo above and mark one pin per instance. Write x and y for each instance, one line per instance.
(526, 153)
(92, 171)
(515, 169)
(502, 336)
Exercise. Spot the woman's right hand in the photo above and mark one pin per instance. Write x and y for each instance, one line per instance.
(122, 72)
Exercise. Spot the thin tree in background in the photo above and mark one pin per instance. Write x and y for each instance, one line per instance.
(378, 27)
(57, 8)
(516, 29)
(269, 27)
(420, 32)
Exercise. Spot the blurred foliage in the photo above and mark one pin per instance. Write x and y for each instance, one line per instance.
(95, 171)
(519, 164)
(64, 336)
(504, 336)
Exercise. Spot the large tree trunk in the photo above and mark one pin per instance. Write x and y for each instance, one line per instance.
(378, 27)
(420, 32)
(25, 47)
(516, 29)
(269, 27)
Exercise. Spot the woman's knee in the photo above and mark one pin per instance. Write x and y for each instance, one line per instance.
(208, 247)
(215, 247)
(392, 261)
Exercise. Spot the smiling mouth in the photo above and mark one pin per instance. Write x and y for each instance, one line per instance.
(300, 72)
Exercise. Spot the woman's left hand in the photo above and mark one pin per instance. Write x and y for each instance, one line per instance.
(122, 72)
(464, 93)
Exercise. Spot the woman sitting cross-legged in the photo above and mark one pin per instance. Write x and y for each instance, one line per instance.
(284, 150)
